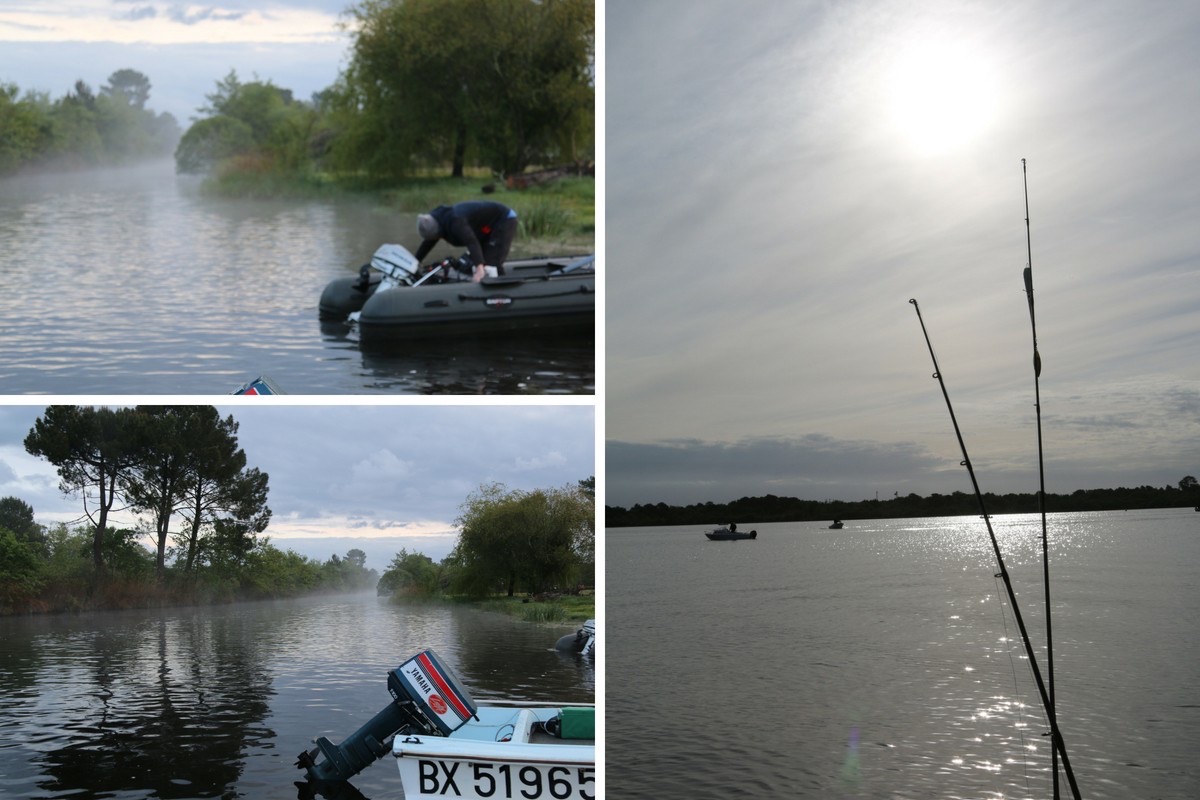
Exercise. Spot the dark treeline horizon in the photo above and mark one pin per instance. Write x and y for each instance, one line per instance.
(772, 508)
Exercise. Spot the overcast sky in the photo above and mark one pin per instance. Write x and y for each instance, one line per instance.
(183, 48)
(378, 478)
(783, 177)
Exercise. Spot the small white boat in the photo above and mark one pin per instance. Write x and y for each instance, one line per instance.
(447, 746)
(520, 751)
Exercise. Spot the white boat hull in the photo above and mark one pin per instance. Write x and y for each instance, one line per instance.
(478, 762)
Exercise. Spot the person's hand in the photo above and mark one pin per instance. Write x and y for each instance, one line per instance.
(479, 273)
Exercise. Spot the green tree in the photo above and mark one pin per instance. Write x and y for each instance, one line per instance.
(512, 539)
(410, 574)
(20, 571)
(25, 128)
(210, 141)
(257, 122)
(95, 450)
(17, 516)
(157, 484)
(132, 84)
(429, 78)
(221, 487)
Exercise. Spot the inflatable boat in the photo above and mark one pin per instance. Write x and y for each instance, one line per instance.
(393, 297)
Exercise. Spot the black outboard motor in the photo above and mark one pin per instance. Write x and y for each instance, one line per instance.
(427, 697)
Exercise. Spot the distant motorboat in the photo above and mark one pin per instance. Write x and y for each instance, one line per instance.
(725, 534)
(837, 525)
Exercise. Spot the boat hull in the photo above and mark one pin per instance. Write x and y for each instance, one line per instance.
(730, 536)
(534, 295)
(471, 763)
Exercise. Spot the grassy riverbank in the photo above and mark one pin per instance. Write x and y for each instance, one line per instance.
(556, 217)
(565, 609)
(550, 610)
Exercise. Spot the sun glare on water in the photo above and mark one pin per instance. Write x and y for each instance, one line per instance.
(942, 96)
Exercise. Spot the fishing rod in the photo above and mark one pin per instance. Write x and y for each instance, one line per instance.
(1057, 742)
(1051, 712)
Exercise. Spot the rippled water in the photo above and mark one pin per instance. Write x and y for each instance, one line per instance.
(876, 662)
(130, 281)
(202, 703)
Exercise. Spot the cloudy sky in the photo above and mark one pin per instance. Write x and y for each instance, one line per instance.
(378, 477)
(783, 177)
(183, 48)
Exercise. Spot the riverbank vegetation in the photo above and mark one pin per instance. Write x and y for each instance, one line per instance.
(770, 508)
(83, 128)
(485, 89)
(200, 505)
(530, 554)
(438, 103)
(202, 513)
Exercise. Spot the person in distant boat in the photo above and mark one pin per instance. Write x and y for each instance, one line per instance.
(733, 527)
(485, 228)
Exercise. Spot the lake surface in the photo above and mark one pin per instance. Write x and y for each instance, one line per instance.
(877, 661)
(200, 703)
(131, 282)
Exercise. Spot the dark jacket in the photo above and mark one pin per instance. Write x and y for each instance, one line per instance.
(466, 225)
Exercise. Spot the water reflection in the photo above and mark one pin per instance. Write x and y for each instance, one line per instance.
(219, 702)
(165, 706)
(125, 281)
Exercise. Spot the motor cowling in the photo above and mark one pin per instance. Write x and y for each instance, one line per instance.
(427, 697)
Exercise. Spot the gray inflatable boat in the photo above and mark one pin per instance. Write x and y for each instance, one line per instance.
(395, 298)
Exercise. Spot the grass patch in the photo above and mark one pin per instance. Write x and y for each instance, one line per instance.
(556, 218)
(563, 609)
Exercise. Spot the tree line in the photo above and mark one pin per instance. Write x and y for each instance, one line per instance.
(510, 542)
(83, 128)
(502, 84)
(180, 469)
(203, 509)
(495, 84)
(771, 508)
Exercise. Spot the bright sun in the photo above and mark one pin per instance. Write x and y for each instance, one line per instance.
(942, 96)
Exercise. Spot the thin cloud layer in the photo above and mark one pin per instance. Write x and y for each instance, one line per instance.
(772, 208)
(169, 23)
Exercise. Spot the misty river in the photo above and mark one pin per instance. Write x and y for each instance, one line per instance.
(131, 281)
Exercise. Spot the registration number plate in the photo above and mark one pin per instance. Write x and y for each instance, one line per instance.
(472, 780)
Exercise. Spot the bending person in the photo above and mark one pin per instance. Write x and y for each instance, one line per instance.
(485, 228)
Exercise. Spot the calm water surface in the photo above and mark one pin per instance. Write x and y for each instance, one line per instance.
(203, 703)
(129, 281)
(878, 662)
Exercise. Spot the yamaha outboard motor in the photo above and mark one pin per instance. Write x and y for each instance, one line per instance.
(427, 697)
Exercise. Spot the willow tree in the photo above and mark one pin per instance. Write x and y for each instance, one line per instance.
(430, 79)
(511, 539)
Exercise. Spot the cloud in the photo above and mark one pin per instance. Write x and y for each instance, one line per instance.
(162, 23)
(359, 473)
(812, 467)
(188, 15)
(762, 255)
(134, 14)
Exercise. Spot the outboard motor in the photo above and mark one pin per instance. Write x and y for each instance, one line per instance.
(427, 697)
(583, 641)
(396, 263)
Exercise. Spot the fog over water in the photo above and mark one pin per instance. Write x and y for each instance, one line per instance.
(131, 281)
